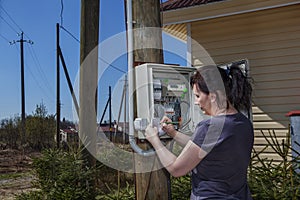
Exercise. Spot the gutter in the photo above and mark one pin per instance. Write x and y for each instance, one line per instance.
(232, 13)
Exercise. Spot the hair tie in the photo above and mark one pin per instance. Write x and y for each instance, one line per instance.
(227, 70)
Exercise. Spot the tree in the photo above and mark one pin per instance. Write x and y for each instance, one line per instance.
(9, 133)
(40, 111)
(40, 128)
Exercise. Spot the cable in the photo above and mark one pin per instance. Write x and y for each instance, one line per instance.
(11, 20)
(40, 70)
(63, 28)
(9, 25)
(61, 11)
(35, 79)
(110, 65)
(27, 68)
(4, 38)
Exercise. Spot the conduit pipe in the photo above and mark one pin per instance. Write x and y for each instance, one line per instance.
(130, 67)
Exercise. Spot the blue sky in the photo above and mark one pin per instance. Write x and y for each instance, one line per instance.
(37, 19)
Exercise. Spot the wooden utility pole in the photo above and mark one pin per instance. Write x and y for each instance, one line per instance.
(21, 41)
(89, 37)
(57, 88)
(147, 31)
(154, 185)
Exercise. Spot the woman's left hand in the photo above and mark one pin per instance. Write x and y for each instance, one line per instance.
(151, 134)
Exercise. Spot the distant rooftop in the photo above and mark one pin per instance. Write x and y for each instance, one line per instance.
(177, 4)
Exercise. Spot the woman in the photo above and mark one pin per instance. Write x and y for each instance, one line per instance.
(218, 153)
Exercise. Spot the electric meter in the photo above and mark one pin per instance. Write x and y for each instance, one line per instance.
(164, 90)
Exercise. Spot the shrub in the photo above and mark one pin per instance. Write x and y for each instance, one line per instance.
(181, 187)
(62, 175)
(270, 180)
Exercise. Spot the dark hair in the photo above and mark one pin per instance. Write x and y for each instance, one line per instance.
(230, 81)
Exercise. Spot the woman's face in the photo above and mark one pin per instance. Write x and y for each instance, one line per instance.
(202, 100)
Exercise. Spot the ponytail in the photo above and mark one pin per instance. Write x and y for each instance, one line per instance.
(231, 81)
(240, 88)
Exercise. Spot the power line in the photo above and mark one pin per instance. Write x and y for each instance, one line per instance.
(40, 70)
(4, 38)
(10, 26)
(37, 82)
(61, 11)
(110, 65)
(63, 28)
(11, 20)
(14, 22)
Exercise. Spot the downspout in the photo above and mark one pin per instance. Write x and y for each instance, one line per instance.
(130, 67)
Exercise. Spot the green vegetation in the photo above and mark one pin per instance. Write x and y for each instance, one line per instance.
(64, 174)
(275, 180)
(61, 177)
(40, 131)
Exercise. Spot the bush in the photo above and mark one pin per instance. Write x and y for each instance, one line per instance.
(126, 193)
(62, 175)
(181, 187)
(270, 180)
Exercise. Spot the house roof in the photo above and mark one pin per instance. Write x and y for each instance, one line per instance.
(177, 4)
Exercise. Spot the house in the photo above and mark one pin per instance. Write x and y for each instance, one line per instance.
(116, 132)
(265, 32)
(69, 136)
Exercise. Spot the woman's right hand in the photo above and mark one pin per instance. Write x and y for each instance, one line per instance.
(167, 126)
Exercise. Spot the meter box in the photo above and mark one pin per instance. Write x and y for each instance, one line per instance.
(163, 90)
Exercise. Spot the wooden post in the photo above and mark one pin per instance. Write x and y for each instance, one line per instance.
(57, 88)
(147, 32)
(89, 35)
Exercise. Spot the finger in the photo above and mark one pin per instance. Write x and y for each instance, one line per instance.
(148, 126)
(165, 119)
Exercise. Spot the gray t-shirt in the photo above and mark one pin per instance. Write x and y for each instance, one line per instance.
(222, 173)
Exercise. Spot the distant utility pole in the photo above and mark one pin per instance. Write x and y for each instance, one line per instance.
(21, 41)
(57, 88)
(120, 109)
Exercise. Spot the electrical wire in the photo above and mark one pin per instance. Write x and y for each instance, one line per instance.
(35, 79)
(4, 38)
(63, 28)
(11, 20)
(40, 70)
(61, 12)
(112, 66)
(10, 26)
(31, 73)
(14, 22)
(33, 55)
(77, 40)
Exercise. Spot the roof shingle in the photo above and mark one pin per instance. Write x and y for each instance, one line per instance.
(176, 4)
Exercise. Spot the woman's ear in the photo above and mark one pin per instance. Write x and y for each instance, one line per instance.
(212, 97)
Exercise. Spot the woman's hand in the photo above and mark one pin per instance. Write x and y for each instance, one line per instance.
(167, 126)
(151, 134)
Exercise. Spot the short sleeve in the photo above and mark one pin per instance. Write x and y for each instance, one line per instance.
(200, 133)
(208, 132)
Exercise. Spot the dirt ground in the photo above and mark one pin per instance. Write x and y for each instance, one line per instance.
(15, 173)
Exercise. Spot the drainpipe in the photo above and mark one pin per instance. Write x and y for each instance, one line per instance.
(132, 141)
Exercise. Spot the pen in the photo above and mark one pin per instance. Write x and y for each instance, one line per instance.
(169, 123)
